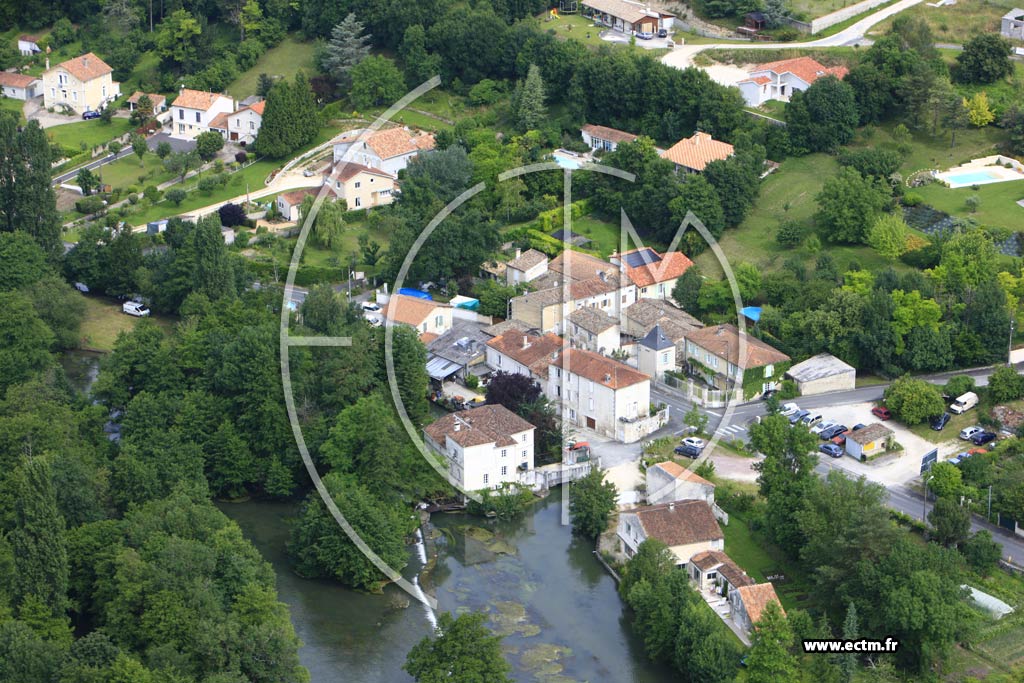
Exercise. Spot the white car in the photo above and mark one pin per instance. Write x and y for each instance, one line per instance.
(135, 308)
(822, 426)
(370, 307)
(693, 441)
(967, 433)
(375, 322)
(789, 409)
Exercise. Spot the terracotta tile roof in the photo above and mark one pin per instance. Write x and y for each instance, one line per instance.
(410, 310)
(29, 38)
(806, 69)
(12, 80)
(350, 170)
(528, 259)
(669, 267)
(295, 197)
(257, 107)
(534, 351)
(723, 341)
(760, 80)
(583, 289)
(697, 151)
(157, 100)
(477, 426)
(86, 67)
(756, 598)
(599, 369)
(592, 319)
(579, 266)
(427, 337)
(196, 99)
(680, 523)
(394, 142)
(723, 564)
(873, 432)
(610, 134)
(677, 471)
(220, 121)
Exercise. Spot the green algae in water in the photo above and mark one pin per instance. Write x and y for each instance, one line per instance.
(543, 660)
(478, 534)
(511, 619)
(501, 548)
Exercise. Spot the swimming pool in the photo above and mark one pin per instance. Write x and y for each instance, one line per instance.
(569, 160)
(972, 178)
(991, 169)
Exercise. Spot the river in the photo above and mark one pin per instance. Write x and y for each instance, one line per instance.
(543, 589)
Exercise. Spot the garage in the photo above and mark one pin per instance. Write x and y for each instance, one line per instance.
(821, 374)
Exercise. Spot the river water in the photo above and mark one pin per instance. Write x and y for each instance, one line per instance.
(543, 590)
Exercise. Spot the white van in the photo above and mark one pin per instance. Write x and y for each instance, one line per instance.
(964, 403)
(135, 308)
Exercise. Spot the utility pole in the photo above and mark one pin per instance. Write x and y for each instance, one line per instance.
(989, 515)
(1009, 353)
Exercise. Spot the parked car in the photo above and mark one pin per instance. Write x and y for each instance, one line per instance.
(858, 426)
(831, 432)
(82, 287)
(811, 419)
(91, 114)
(831, 449)
(960, 457)
(963, 403)
(882, 413)
(694, 441)
(798, 415)
(663, 33)
(983, 438)
(370, 306)
(840, 439)
(374, 322)
(822, 426)
(940, 421)
(135, 308)
(788, 409)
(968, 432)
(644, 35)
(688, 451)
(768, 394)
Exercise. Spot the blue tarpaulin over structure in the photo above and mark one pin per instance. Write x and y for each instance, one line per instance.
(409, 291)
(752, 313)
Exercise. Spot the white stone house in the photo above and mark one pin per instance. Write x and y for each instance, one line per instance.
(597, 392)
(390, 149)
(654, 275)
(687, 528)
(81, 84)
(714, 571)
(779, 80)
(429, 318)
(670, 482)
(524, 353)
(656, 354)
(604, 138)
(29, 45)
(242, 125)
(526, 266)
(592, 329)
(1012, 25)
(193, 111)
(19, 86)
(485, 447)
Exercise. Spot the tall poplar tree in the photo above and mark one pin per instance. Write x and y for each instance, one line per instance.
(38, 541)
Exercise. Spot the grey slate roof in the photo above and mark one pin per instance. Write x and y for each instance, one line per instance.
(657, 340)
(461, 344)
(592, 319)
(818, 367)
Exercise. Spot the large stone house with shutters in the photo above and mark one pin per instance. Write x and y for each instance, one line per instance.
(713, 355)
(81, 84)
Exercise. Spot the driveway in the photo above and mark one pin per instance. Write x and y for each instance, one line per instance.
(34, 111)
(618, 37)
(682, 56)
(177, 144)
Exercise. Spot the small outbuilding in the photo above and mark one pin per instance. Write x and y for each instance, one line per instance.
(1012, 25)
(821, 374)
(865, 442)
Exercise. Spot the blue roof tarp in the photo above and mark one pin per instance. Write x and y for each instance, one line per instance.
(752, 313)
(409, 291)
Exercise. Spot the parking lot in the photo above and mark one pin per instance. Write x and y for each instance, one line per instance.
(889, 469)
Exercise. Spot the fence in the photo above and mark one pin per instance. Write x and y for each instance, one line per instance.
(837, 17)
(705, 396)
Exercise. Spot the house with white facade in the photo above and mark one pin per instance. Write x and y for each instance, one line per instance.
(390, 149)
(656, 354)
(29, 45)
(779, 80)
(627, 16)
(713, 571)
(670, 482)
(81, 84)
(242, 125)
(526, 266)
(193, 111)
(362, 187)
(687, 527)
(597, 392)
(19, 86)
(429, 318)
(289, 204)
(604, 138)
(592, 329)
(485, 447)
(524, 353)
(159, 102)
(713, 355)
(654, 275)
(1012, 25)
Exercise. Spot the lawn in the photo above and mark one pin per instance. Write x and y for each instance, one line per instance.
(127, 171)
(104, 321)
(283, 61)
(605, 237)
(955, 23)
(11, 104)
(950, 431)
(92, 133)
(787, 194)
(315, 255)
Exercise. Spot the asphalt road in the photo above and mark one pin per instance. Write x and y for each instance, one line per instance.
(92, 165)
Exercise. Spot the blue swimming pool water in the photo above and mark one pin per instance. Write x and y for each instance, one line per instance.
(565, 162)
(972, 177)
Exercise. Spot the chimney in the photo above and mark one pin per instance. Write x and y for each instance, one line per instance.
(47, 61)
(526, 342)
(85, 61)
(607, 377)
(458, 425)
(519, 252)
(672, 506)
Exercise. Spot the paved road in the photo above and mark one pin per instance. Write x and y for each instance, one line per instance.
(92, 165)
(682, 56)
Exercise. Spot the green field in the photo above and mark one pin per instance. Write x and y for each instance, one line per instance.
(758, 559)
(93, 133)
(13, 105)
(283, 61)
(955, 23)
(104, 321)
(127, 171)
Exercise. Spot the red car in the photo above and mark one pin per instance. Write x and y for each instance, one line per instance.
(882, 413)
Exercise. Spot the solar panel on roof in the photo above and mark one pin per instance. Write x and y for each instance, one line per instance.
(642, 257)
